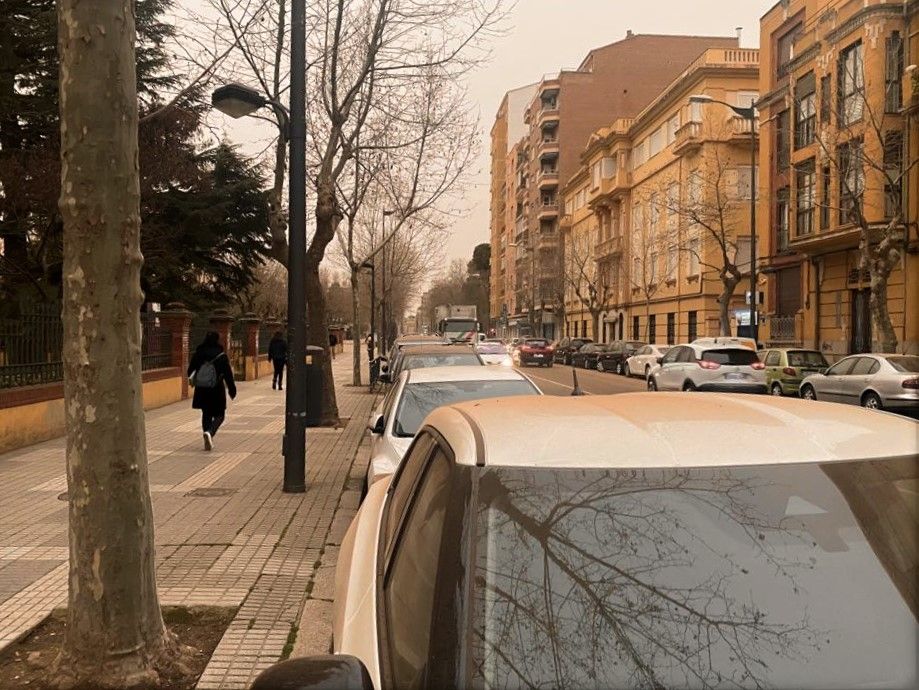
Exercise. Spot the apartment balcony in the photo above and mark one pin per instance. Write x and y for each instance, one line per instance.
(609, 247)
(688, 138)
(547, 148)
(740, 130)
(547, 211)
(836, 238)
(547, 179)
(547, 115)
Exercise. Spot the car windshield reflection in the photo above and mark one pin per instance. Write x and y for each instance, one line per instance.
(739, 577)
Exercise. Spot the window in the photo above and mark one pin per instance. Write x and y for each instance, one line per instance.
(744, 182)
(805, 111)
(640, 154)
(595, 175)
(652, 268)
(842, 367)
(782, 143)
(781, 218)
(693, 325)
(694, 189)
(805, 190)
(671, 327)
(825, 197)
(656, 142)
(404, 482)
(851, 180)
(742, 253)
(673, 124)
(851, 84)
(652, 328)
(864, 366)
(785, 47)
(636, 271)
(893, 170)
(609, 168)
(826, 103)
(746, 99)
(671, 263)
(695, 112)
(773, 359)
(893, 93)
(654, 210)
(636, 217)
(412, 574)
(693, 250)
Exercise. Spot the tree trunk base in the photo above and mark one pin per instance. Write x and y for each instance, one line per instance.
(132, 669)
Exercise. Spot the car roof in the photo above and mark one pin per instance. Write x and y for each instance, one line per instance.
(706, 346)
(434, 348)
(419, 340)
(667, 430)
(463, 373)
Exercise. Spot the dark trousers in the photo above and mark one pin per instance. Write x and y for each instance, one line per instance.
(211, 420)
(278, 377)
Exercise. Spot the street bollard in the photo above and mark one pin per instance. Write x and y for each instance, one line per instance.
(315, 357)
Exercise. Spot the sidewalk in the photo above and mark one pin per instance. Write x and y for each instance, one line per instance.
(225, 533)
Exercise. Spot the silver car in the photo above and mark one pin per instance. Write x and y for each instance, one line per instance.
(698, 367)
(876, 381)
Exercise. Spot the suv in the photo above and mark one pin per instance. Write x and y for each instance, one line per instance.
(723, 368)
(787, 368)
(567, 347)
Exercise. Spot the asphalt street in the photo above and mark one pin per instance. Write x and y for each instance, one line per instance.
(559, 381)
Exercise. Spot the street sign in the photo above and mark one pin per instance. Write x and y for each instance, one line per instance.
(760, 297)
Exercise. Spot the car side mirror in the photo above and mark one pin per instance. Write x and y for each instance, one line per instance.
(384, 377)
(328, 672)
(660, 360)
(378, 426)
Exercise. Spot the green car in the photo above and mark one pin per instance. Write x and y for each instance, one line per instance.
(787, 367)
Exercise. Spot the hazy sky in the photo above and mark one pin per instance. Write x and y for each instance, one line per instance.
(548, 35)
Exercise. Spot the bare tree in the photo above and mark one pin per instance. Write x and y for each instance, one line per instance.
(595, 283)
(115, 633)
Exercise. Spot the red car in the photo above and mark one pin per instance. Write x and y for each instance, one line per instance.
(533, 351)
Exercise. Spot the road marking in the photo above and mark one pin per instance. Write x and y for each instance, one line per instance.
(556, 383)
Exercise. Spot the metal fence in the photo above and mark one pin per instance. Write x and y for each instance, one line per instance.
(782, 329)
(237, 343)
(31, 345)
(265, 334)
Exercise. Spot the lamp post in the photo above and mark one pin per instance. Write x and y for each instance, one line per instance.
(236, 101)
(749, 114)
(373, 307)
(384, 321)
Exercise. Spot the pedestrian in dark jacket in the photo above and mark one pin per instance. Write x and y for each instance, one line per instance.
(277, 354)
(211, 400)
(333, 343)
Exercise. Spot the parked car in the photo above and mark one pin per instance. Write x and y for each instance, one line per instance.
(421, 390)
(786, 368)
(536, 351)
(422, 356)
(493, 352)
(878, 381)
(644, 359)
(566, 347)
(723, 368)
(614, 358)
(501, 538)
(586, 356)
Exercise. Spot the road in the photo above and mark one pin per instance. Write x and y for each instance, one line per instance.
(559, 381)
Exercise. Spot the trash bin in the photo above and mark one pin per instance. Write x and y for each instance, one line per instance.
(315, 356)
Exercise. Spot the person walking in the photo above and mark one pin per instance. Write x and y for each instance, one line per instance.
(333, 343)
(277, 353)
(212, 376)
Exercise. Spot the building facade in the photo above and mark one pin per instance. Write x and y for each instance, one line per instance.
(840, 102)
(661, 207)
(617, 80)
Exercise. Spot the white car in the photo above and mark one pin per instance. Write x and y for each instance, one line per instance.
(629, 541)
(716, 368)
(419, 391)
(645, 359)
(494, 353)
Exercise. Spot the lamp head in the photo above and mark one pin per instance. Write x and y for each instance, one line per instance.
(700, 98)
(237, 100)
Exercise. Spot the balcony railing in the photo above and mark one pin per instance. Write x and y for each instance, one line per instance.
(783, 329)
(548, 178)
(609, 247)
(688, 137)
(740, 127)
(547, 210)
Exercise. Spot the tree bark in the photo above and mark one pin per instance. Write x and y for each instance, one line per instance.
(595, 324)
(728, 285)
(356, 350)
(885, 339)
(276, 218)
(115, 633)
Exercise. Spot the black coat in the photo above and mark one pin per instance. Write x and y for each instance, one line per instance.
(277, 349)
(213, 399)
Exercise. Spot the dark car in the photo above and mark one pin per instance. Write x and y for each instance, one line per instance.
(567, 347)
(614, 358)
(586, 357)
(536, 351)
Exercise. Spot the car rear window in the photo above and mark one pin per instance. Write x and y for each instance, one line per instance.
(491, 349)
(907, 364)
(458, 359)
(739, 356)
(536, 343)
(740, 577)
(806, 358)
(420, 399)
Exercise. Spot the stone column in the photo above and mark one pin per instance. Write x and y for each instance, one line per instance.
(177, 320)
(250, 345)
(221, 322)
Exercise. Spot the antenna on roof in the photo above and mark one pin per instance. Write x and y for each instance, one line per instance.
(577, 388)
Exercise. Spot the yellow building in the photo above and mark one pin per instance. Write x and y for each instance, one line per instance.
(837, 92)
(663, 203)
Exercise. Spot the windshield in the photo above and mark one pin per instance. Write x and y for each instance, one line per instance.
(908, 364)
(738, 356)
(806, 358)
(419, 399)
(460, 329)
(726, 577)
(456, 359)
(491, 349)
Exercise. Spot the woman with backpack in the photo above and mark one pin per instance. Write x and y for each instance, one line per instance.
(212, 376)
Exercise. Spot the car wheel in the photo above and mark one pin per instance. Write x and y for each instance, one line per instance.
(808, 393)
(777, 389)
(647, 370)
(689, 387)
(652, 385)
(549, 365)
(872, 401)
(622, 371)
(599, 365)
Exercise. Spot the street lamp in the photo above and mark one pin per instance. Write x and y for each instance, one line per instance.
(748, 113)
(237, 100)
(373, 307)
(384, 321)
